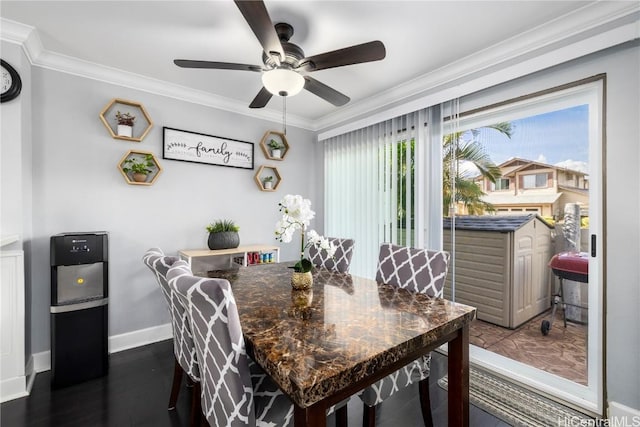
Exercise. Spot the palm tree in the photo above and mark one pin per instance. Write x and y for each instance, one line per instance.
(456, 151)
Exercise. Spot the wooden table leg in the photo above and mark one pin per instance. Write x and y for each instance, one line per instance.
(313, 416)
(459, 379)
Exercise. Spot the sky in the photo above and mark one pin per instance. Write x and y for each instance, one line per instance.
(558, 138)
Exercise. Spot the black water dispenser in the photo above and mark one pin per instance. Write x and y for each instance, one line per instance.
(79, 307)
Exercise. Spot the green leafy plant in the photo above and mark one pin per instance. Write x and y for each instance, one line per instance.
(125, 118)
(268, 179)
(222, 225)
(136, 165)
(275, 145)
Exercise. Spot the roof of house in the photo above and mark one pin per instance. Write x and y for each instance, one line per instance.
(508, 170)
(502, 223)
(515, 164)
(582, 191)
(532, 198)
(510, 167)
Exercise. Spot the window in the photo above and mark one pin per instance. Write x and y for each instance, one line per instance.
(538, 180)
(501, 184)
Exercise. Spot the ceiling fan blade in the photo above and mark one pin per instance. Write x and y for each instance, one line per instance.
(325, 92)
(187, 63)
(256, 15)
(366, 52)
(261, 99)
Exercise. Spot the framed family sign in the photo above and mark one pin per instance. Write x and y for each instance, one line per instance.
(201, 148)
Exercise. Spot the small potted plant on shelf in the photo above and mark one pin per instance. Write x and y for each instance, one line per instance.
(140, 168)
(276, 149)
(268, 182)
(223, 234)
(125, 124)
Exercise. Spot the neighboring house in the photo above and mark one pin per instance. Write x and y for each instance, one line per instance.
(527, 186)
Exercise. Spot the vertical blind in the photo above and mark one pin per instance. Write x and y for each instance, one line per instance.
(383, 184)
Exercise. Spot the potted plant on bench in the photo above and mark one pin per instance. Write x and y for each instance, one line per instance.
(223, 234)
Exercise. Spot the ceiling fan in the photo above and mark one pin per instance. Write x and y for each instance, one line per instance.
(284, 70)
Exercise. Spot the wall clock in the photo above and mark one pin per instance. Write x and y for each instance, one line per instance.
(11, 83)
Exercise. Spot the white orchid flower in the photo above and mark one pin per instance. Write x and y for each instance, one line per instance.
(297, 214)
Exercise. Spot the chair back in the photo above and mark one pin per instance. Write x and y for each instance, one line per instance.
(340, 261)
(417, 270)
(183, 347)
(227, 391)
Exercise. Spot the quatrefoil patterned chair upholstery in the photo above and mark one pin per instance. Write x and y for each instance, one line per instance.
(419, 271)
(183, 347)
(235, 391)
(340, 261)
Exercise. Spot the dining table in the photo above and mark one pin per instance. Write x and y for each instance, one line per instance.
(327, 343)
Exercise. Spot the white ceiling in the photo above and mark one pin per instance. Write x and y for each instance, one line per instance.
(421, 38)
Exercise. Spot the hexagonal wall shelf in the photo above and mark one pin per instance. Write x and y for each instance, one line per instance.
(280, 139)
(141, 125)
(126, 162)
(264, 172)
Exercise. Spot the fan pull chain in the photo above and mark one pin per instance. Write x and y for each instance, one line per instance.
(284, 115)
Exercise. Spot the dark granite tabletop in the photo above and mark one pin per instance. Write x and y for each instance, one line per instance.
(318, 342)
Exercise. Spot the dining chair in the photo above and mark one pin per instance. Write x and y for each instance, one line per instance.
(340, 261)
(183, 347)
(229, 394)
(420, 271)
(235, 390)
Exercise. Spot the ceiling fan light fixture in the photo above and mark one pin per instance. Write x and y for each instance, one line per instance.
(282, 82)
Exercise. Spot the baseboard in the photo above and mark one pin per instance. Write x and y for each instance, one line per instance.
(13, 388)
(139, 338)
(624, 415)
(41, 361)
(117, 343)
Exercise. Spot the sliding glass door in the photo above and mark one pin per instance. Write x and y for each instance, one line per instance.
(523, 215)
(517, 184)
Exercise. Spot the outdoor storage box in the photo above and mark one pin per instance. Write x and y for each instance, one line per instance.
(501, 266)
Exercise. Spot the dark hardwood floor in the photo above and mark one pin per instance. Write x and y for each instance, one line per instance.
(136, 391)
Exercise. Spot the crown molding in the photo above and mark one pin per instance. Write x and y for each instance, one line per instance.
(586, 23)
(582, 24)
(14, 32)
(28, 37)
(23, 35)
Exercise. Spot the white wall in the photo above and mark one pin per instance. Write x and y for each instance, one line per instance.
(77, 187)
